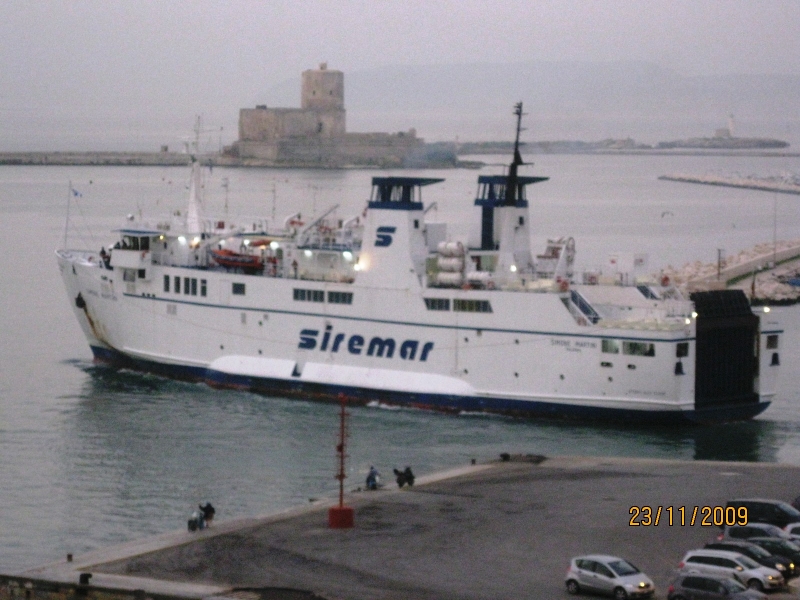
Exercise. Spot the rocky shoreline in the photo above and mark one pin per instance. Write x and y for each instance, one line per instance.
(762, 272)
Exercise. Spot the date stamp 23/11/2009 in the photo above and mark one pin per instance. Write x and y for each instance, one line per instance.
(704, 516)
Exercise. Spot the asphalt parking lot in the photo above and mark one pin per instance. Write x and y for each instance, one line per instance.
(492, 531)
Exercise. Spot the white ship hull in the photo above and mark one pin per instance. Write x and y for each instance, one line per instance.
(525, 358)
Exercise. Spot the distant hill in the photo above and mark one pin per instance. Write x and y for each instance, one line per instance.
(566, 100)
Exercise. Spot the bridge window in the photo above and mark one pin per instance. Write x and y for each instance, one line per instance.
(340, 297)
(437, 303)
(166, 283)
(194, 286)
(610, 346)
(772, 342)
(309, 295)
(682, 349)
(482, 306)
(238, 289)
(203, 287)
(639, 348)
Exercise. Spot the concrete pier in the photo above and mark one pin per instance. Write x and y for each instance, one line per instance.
(751, 183)
(504, 529)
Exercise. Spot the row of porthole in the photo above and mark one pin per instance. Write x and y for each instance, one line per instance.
(466, 372)
(608, 365)
(222, 347)
(516, 374)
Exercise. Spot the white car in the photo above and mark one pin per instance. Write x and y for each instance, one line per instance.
(605, 574)
(723, 563)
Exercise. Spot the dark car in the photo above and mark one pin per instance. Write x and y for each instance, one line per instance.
(779, 546)
(785, 566)
(694, 587)
(763, 510)
(745, 532)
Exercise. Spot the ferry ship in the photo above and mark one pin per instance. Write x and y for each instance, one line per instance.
(385, 307)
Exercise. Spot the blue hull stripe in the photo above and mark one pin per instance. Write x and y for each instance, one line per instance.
(440, 402)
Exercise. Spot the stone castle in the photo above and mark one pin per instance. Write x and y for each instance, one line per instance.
(315, 134)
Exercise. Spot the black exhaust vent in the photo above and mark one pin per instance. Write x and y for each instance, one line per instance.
(727, 361)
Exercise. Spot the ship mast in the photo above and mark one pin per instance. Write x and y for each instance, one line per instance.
(511, 185)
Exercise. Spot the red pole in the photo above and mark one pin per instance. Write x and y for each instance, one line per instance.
(340, 448)
(341, 517)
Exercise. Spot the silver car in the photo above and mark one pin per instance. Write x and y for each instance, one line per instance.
(723, 563)
(605, 574)
(793, 529)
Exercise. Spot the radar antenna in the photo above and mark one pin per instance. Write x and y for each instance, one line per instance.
(511, 185)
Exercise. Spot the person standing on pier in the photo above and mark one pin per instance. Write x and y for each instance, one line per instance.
(208, 512)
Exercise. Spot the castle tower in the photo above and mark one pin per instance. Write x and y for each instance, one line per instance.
(322, 89)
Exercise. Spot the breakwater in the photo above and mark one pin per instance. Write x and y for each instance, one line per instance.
(138, 159)
(427, 158)
(762, 272)
(766, 184)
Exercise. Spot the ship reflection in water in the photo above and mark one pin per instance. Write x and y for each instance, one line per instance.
(749, 441)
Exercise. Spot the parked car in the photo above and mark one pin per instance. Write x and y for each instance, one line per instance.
(785, 566)
(605, 574)
(763, 510)
(723, 563)
(784, 547)
(695, 587)
(745, 532)
(793, 529)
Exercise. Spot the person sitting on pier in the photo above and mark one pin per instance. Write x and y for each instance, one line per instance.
(372, 478)
(196, 521)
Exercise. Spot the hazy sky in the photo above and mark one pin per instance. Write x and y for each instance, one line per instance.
(100, 68)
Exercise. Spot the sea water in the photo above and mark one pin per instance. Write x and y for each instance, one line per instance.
(91, 456)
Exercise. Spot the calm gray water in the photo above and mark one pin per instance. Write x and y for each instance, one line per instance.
(90, 457)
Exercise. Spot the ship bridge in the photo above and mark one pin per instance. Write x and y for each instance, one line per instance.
(495, 191)
(399, 193)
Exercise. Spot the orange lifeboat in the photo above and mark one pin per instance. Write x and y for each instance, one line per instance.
(234, 260)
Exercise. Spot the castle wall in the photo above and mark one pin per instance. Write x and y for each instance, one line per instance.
(368, 149)
(378, 148)
(267, 124)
